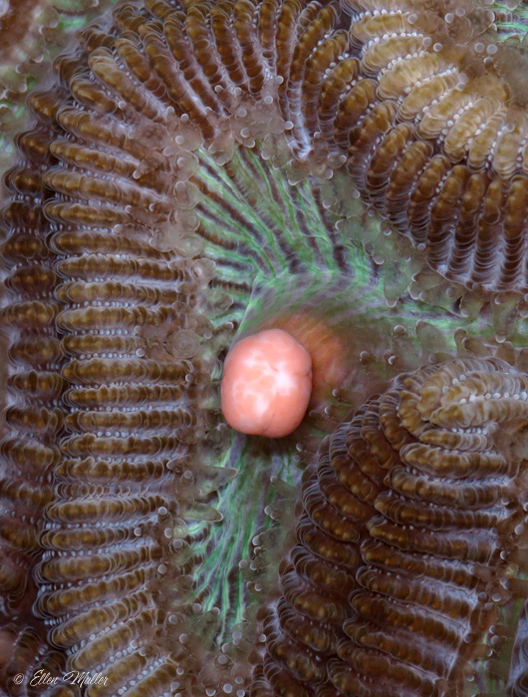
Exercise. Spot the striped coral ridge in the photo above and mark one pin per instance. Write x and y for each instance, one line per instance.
(410, 519)
(383, 87)
(129, 428)
(442, 155)
(105, 406)
(33, 377)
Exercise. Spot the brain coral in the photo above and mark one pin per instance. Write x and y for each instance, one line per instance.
(191, 173)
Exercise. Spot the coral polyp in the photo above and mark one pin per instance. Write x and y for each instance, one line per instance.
(193, 174)
(266, 384)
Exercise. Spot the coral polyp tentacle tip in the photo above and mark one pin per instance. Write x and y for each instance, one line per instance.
(343, 184)
(266, 384)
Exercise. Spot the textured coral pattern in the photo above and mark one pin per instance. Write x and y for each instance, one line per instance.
(193, 172)
(442, 156)
(411, 518)
(32, 33)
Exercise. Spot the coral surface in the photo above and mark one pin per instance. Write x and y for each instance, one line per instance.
(192, 173)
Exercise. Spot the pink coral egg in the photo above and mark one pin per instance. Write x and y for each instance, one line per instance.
(266, 384)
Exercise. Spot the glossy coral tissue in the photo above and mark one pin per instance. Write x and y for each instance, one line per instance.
(266, 384)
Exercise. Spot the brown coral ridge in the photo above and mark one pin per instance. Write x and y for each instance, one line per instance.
(102, 423)
(411, 516)
(431, 136)
(442, 150)
(33, 418)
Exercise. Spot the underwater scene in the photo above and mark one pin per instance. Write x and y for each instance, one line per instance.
(264, 348)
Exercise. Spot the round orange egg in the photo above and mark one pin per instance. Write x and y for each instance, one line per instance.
(266, 384)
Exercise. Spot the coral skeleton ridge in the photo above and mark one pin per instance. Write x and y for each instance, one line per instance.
(193, 175)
